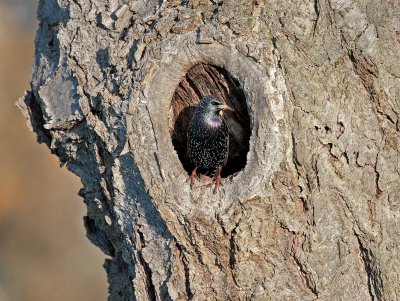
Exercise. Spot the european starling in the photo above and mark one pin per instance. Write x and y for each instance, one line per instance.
(208, 138)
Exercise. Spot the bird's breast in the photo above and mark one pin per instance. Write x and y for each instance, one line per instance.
(212, 123)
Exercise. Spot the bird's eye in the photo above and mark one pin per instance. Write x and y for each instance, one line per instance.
(215, 103)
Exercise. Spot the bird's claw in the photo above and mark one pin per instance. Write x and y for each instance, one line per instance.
(217, 180)
(217, 183)
(192, 177)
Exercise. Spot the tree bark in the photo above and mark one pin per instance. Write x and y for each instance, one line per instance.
(313, 215)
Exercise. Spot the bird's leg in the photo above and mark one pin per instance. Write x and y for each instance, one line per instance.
(193, 176)
(218, 179)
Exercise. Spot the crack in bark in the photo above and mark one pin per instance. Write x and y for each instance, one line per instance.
(152, 128)
(151, 291)
(98, 236)
(372, 270)
(377, 177)
(32, 111)
(365, 71)
(274, 41)
(191, 239)
(315, 168)
(185, 263)
(104, 157)
(78, 4)
(306, 275)
(317, 11)
(159, 166)
(232, 254)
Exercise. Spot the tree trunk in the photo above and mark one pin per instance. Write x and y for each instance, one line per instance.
(309, 207)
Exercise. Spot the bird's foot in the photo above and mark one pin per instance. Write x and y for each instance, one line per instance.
(217, 184)
(192, 177)
(217, 180)
(191, 180)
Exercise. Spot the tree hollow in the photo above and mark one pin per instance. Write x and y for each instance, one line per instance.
(203, 80)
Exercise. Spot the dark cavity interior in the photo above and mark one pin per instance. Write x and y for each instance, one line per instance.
(202, 80)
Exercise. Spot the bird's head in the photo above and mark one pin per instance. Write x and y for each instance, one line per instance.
(212, 105)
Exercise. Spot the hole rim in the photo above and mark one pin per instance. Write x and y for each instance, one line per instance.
(265, 96)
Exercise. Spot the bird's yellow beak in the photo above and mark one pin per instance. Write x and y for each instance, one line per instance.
(225, 107)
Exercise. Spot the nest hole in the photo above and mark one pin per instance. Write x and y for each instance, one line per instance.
(202, 80)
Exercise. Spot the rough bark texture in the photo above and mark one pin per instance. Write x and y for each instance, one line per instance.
(314, 214)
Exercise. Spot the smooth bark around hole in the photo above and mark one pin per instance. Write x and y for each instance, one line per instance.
(202, 80)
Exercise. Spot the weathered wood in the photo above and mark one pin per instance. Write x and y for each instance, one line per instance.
(313, 215)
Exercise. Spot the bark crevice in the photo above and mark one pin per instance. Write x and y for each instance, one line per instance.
(151, 291)
(185, 263)
(373, 272)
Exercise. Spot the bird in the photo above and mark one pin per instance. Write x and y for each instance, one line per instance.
(208, 138)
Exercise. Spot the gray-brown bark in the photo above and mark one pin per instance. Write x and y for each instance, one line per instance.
(314, 215)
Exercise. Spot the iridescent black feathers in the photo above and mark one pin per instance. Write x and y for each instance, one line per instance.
(208, 137)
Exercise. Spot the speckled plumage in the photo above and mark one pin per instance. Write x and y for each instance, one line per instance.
(208, 137)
